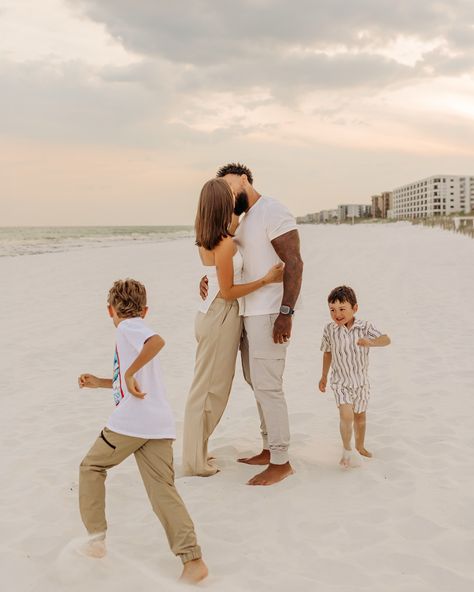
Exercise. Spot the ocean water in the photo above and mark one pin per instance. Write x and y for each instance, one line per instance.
(36, 240)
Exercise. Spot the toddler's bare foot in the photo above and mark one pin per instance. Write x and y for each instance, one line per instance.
(364, 452)
(349, 459)
(259, 459)
(194, 572)
(272, 474)
(345, 461)
(95, 547)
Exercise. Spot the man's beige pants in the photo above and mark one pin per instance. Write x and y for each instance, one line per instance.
(218, 335)
(263, 363)
(155, 462)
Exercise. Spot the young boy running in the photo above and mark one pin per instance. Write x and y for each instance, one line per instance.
(141, 424)
(345, 344)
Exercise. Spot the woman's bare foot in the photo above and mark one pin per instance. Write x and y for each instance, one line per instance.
(194, 572)
(272, 474)
(259, 459)
(364, 452)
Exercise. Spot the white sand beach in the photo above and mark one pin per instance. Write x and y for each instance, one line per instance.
(403, 522)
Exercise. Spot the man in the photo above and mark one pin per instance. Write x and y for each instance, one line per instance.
(267, 234)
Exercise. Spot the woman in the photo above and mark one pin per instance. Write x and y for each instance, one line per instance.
(218, 323)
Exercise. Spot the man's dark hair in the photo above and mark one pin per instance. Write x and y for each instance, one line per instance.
(343, 294)
(235, 168)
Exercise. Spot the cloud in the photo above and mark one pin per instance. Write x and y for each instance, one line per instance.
(216, 36)
(326, 100)
(76, 103)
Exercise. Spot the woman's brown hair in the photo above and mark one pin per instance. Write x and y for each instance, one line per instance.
(214, 214)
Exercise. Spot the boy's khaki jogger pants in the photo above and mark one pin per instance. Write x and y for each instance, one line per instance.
(155, 462)
(218, 335)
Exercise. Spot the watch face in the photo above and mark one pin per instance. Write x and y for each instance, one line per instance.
(285, 309)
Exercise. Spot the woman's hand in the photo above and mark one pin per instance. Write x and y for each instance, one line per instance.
(275, 274)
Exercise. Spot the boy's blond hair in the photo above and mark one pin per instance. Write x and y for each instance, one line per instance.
(128, 297)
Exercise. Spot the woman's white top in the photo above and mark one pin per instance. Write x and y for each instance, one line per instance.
(213, 285)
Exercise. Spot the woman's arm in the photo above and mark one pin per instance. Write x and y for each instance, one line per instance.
(234, 224)
(224, 255)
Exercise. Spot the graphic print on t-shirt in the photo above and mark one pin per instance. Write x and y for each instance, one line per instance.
(116, 380)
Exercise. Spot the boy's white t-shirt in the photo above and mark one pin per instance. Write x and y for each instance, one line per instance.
(266, 220)
(152, 416)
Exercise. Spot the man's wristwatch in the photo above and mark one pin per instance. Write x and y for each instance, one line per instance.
(286, 310)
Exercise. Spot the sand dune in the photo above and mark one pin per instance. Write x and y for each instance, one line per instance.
(403, 522)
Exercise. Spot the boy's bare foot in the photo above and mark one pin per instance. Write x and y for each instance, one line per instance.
(194, 572)
(349, 459)
(345, 461)
(259, 459)
(272, 474)
(364, 452)
(94, 548)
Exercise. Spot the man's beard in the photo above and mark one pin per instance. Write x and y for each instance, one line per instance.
(241, 203)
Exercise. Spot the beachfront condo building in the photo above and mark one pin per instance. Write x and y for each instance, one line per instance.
(381, 204)
(351, 211)
(438, 195)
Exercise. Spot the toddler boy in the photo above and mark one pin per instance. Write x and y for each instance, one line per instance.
(345, 344)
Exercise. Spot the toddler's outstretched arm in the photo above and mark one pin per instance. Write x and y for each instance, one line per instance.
(381, 341)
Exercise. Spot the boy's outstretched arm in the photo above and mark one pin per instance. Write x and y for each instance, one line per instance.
(91, 381)
(381, 341)
(327, 359)
(151, 348)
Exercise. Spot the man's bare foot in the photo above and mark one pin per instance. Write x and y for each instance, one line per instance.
(259, 459)
(194, 572)
(364, 452)
(272, 474)
(94, 548)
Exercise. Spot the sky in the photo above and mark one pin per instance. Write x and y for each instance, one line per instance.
(118, 111)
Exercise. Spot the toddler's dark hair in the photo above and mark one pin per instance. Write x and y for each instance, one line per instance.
(343, 294)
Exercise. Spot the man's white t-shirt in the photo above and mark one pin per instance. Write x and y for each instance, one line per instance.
(152, 416)
(266, 220)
